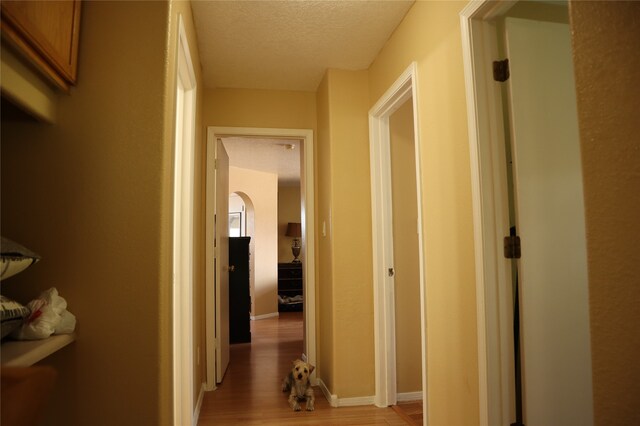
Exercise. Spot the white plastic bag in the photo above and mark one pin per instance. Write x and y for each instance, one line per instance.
(67, 323)
(49, 315)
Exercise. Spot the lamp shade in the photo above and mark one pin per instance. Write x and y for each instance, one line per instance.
(294, 230)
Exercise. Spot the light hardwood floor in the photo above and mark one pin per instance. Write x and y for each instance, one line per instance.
(251, 390)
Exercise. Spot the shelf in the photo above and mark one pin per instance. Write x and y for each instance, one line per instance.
(23, 353)
(290, 283)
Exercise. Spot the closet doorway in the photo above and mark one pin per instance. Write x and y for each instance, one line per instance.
(399, 283)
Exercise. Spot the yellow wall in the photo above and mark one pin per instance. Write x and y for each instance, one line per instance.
(539, 11)
(262, 190)
(430, 35)
(90, 194)
(259, 108)
(406, 256)
(324, 281)
(344, 198)
(288, 211)
(605, 42)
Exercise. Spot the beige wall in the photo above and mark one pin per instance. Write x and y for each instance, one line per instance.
(606, 42)
(91, 195)
(430, 35)
(259, 108)
(324, 280)
(539, 11)
(347, 319)
(288, 211)
(262, 190)
(406, 256)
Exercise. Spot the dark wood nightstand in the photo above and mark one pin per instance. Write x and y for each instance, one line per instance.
(290, 290)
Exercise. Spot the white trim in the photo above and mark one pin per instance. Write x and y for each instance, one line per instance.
(404, 88)
(332, 399)
(308, 232)
(490, 207)
(410, 396)
(24, 353)
(196, 412)
(355, 401)
(264, 316)
(336, 402)
(183, 237)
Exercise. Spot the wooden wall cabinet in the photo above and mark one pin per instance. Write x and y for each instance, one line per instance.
(46, 33)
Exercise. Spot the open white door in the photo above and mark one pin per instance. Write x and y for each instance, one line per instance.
(221, 261)
(217, 261)
(554, 299)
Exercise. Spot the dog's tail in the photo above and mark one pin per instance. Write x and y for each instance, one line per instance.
(286, 382)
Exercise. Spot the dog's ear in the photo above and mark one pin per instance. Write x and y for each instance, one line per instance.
(311, 368)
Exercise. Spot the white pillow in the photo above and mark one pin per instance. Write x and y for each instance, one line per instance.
(14, 258)
(12, 315)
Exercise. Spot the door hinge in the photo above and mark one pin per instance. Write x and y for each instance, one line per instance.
(501, 70)
(512, 247)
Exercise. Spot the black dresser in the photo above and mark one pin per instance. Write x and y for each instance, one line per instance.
(239, 297)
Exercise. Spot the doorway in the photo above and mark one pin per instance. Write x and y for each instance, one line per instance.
(397, 244)
(307, 219)
(546, 308)
(183, 237)
(405, 254)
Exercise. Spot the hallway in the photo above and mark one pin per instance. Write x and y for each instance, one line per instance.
(251, 391)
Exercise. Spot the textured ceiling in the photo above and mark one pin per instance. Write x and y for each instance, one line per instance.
(288, 45)
(278, 156)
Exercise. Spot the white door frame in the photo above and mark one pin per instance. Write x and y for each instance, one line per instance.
(402, 90)
(490, 208)
(308, 234)
(183, 208)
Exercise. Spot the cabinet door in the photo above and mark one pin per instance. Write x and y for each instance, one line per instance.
(46, 32)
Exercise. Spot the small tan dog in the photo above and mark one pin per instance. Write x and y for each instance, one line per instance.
(297, 381)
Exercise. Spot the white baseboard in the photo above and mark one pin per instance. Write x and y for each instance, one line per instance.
(264, 316)
(196, 412)
(352, 402)
(334, 401)
(409, 396)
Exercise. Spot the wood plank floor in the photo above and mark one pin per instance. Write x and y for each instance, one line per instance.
(411, 411)
(251, 390)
